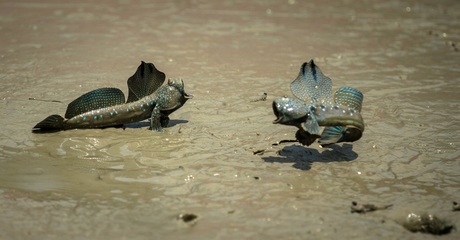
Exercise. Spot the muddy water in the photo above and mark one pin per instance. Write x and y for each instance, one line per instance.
(133, 183)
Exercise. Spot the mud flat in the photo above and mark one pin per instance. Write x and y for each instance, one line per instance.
(200, 179)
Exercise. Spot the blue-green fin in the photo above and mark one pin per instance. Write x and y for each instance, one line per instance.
(146, 80)
(311, 85)
(350, 97)
(96, 99)
(339, 134)
(311, 125)
(332, 135)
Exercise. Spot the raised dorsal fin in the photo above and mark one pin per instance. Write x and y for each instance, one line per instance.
(350, 97)
(311, 85)
(96, 99)
(146, 80)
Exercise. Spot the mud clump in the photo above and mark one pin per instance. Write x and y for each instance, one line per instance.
(367, 207)
(261, 98)
(427, 223)
(187, 217)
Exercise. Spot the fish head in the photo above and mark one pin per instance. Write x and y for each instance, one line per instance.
(178, 85)
(173, 96)
(289, 111)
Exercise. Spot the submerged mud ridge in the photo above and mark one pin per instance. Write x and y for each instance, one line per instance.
(221, 158)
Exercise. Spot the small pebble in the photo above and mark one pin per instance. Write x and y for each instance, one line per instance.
(187, 217)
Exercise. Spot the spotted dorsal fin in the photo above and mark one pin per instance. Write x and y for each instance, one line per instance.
(96, 99)
(311, 85)
(349, 97)
(146, 80)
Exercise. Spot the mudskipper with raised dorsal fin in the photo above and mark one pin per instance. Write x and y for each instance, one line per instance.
(339, 113)
(106, 107)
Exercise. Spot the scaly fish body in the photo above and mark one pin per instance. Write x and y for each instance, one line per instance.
(293, 112)
(105, 107)
(339, 113)
(165, 99)
(338, 116)
(112, 116)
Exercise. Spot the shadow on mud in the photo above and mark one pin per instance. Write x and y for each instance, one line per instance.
(146, 124)
(143, 124)
(303, 157)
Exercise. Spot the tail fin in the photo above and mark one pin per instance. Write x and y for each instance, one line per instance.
(51, 123)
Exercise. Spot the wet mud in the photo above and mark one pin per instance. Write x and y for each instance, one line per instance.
(221, 169)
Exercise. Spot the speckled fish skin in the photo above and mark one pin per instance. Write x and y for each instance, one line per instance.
(316, 106)
(157, 106)
(293, 112)
(105, 107)
(347, 123)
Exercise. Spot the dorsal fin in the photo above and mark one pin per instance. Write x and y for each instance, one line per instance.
(96, 99)
(146, 80)
(311, 85)
(350, 97)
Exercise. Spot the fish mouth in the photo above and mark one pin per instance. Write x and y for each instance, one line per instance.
(188, 96)
(289, 112)
(278, 114)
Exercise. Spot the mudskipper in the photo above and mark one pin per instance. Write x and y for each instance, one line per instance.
(315, 106)
(106, 107)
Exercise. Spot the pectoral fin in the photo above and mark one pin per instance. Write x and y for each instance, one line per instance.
(311, 125)
(96, 99)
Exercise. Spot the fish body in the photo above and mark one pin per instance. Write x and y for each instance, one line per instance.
(293, 112)
(316, 106)
(105, 107)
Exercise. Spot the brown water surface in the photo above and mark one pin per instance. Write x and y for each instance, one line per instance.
(133, 183)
